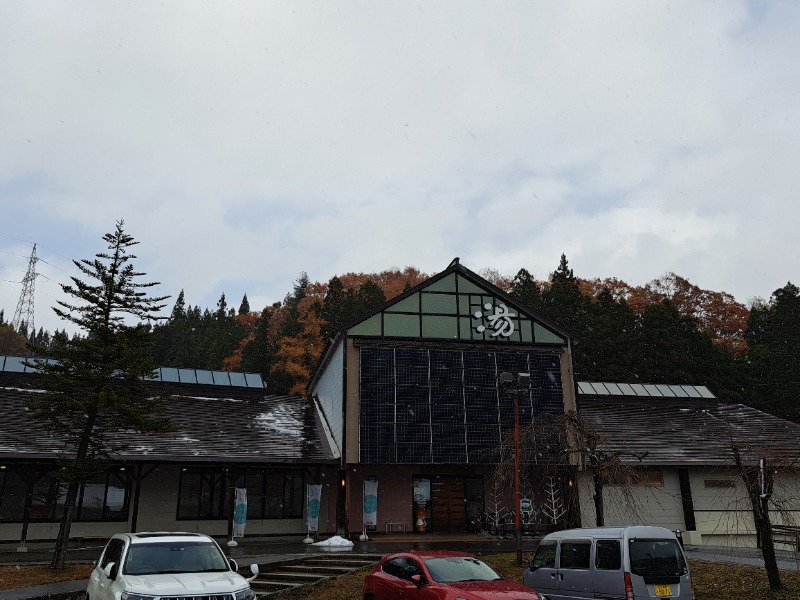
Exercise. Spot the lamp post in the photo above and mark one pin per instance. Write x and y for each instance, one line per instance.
(523, 382)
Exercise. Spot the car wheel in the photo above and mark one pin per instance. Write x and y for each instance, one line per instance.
(370, 597)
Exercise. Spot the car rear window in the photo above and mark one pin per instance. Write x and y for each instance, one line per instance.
(657, 557)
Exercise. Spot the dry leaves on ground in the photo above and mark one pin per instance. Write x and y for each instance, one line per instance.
(18, 576)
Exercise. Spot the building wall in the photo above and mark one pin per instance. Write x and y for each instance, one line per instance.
(329, 390)
(158, 506)
(722, 509)
(635, 505)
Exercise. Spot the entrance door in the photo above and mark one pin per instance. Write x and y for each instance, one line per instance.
(447, 495)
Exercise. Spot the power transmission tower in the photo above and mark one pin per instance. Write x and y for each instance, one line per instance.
(24, 313)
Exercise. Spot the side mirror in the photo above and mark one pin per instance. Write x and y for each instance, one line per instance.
(254, 571)
(110, 570)
(531, 567)
(234, 565)
(418, 580)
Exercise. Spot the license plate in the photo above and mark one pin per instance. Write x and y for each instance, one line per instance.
(663, 590)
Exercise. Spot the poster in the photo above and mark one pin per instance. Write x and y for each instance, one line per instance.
(313, 493)
(370, 503)
(239, 512)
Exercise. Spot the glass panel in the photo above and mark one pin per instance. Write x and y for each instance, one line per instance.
(545, 336)
(371, 326)
(410, 304)
(14, 364)
(447, 284)
(293, 494)
(255, 494)
(187, 376)
(12, 495)
(666, 391)
(526, 331)
(439, 303)
(465, 286)
(401, 325)
(238, 379)
(439, 327)
(273, 494)
(92, 501)
(608, 556)
(575, 555)
(204, 377)
(189, 500)
(169, 374)
(254, 380)
(221, 377)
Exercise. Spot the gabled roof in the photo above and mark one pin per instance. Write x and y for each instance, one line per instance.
(211, 424)
(458, 304)
(689, 431)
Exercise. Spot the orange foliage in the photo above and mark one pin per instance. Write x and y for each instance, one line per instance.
(298, 355)
(717, 314)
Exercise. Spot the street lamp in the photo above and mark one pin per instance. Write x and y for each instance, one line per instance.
(523, 383)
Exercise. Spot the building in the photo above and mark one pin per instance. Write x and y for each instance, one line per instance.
(416, 400)
(226, 433)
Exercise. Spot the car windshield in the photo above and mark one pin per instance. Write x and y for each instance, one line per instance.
(459, 568)
(174, 557)
(657, 557)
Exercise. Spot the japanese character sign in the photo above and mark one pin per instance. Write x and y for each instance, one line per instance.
(500, 321)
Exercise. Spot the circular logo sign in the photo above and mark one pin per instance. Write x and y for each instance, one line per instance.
(240, 513)
(313, 508)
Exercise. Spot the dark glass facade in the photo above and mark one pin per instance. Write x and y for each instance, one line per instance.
(431, 405)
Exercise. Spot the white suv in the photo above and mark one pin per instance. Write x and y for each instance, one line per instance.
(156, 566)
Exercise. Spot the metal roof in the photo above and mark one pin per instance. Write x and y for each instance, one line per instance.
(689, 431)
(237, 427)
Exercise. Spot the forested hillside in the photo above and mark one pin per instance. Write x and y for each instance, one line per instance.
(667, 331)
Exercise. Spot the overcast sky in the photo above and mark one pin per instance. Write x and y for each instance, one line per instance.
(244, 143)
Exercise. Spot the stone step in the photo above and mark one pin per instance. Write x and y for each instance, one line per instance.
(296, 576)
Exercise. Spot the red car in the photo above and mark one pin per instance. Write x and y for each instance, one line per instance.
(440, 575)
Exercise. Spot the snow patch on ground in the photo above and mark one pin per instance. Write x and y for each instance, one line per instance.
(336, 541)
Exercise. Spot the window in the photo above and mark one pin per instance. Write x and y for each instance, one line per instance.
(545, 556)
(103, 499)
(607, 555)
(113, 553)
(575, 555)
(202, 494)
(394, 567)
(271, 493)
(648, 477)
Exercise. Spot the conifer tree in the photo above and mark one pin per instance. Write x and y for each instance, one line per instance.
(244, 307)
(97, 387)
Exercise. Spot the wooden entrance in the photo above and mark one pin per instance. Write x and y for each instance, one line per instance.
(447, 497)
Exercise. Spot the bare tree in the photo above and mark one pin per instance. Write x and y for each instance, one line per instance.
(555, 442)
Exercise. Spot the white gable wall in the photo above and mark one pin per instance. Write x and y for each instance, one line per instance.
(329, 390)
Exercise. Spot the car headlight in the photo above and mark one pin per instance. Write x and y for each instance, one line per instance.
(135, 596)
(245, 594)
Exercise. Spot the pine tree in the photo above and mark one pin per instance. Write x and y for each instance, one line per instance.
(97, 387)
(244, 307)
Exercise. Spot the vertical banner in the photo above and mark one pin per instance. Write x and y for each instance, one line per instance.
(239, 512)
(370, 503)
(313, 493)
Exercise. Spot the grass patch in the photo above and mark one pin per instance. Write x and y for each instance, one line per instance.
(712, 581)
(21, 576)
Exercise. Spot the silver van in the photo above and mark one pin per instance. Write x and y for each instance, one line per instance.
(625, 563)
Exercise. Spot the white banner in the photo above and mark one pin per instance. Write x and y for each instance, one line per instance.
(370, 503)
(239, 512)
(313, 493)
